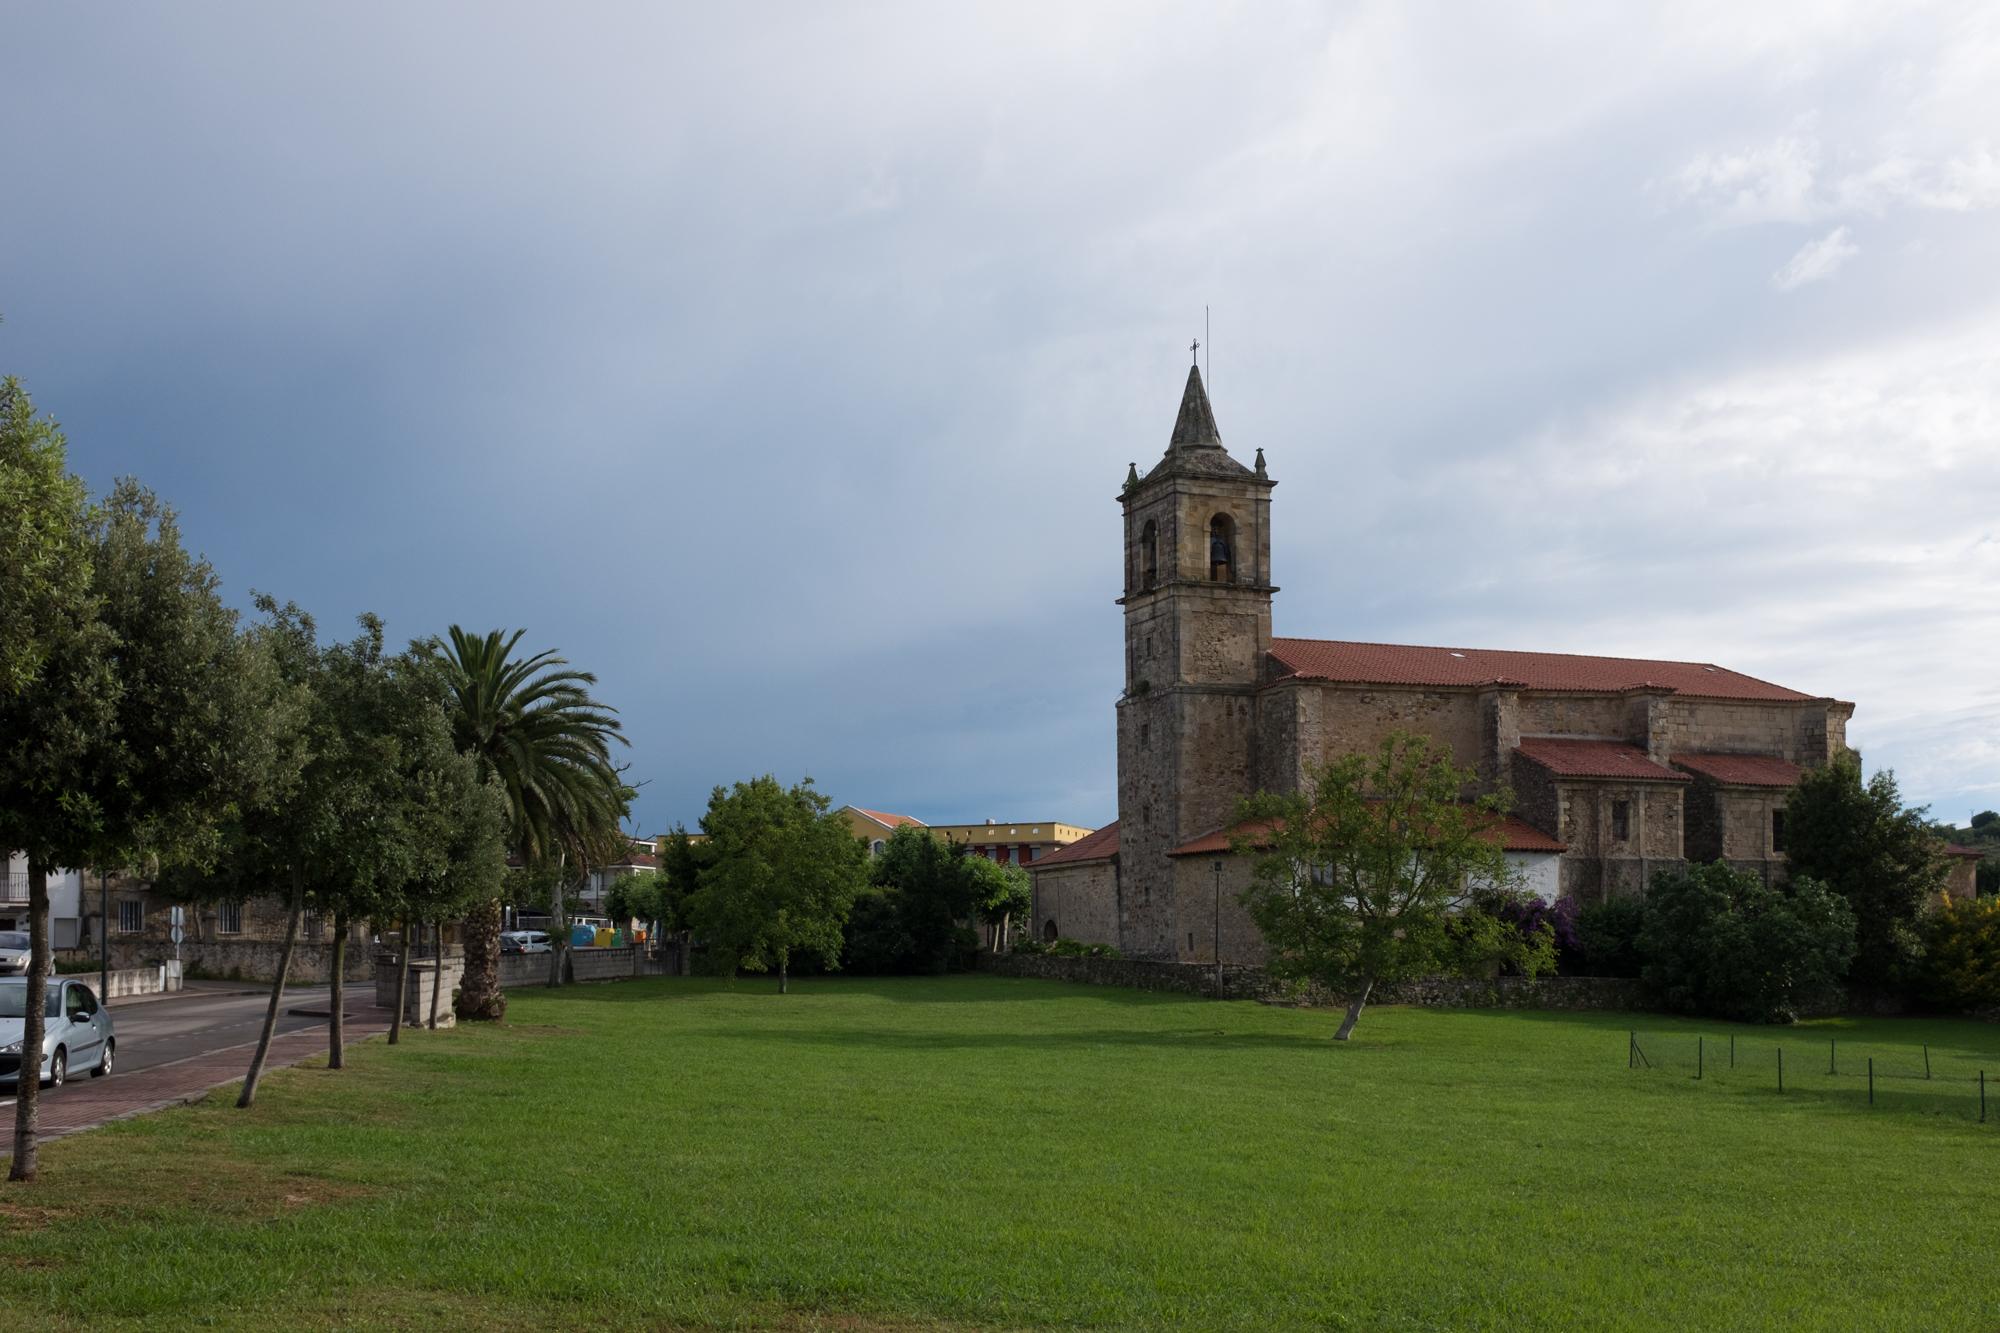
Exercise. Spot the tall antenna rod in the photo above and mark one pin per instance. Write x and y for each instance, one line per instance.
(1207, 371)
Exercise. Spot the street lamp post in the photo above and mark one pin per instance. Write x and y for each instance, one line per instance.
(1218, 928)
(103, 938)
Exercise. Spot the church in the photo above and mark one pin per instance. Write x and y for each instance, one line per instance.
(1621, 768)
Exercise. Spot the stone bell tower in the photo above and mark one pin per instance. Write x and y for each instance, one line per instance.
(1197, 626)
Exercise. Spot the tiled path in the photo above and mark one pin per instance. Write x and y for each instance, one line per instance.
(84, 1102)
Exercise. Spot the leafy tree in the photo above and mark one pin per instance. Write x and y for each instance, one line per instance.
(1985, 817)
(779, 878)
(930, 887)
(1857, 838)
(1004, 895)
(45, 573)
(1357, 875)
(1721, 942)
(165, 718)
(646, 897)
(535, 728)
(1964, 953)
(58, 695)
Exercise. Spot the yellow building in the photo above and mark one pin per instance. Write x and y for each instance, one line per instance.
(1016, 842)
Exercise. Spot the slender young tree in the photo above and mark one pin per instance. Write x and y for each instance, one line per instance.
(1356, 877)
(780, 877)
(535, 728)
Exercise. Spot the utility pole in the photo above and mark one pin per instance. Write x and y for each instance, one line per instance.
(1218, 928)
(103, 937)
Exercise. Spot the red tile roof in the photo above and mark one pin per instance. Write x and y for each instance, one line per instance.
(1595, 759)
(1742, 770)
(1400, 664)
(1099, 846)
(1960, 849)
(892, 821)
(1513, 833)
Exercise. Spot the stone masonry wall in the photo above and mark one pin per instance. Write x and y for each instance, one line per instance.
(1196, 901)
(1082, 900)
(1253, 983)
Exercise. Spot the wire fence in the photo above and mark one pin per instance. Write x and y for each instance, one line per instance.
(1886, 1076)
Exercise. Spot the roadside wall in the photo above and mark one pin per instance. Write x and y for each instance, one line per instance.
(532, 969)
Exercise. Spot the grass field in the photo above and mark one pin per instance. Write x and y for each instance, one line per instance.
(991, 1152)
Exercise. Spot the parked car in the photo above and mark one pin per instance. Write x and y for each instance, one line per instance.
(14, 953)
(76, 1031)
(524, 941)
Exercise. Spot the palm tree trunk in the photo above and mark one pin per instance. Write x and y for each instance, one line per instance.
(27, 1102)
(437, 971)
(480, 998)
(336, 1035)
(404, 957)
(277, 993)
(1354, 1009)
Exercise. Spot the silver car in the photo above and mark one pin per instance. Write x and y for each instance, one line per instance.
(76, 1031)
(13, 953)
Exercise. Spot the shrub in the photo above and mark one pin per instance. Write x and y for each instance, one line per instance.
(1607, 939)
(1512, 934)
(1720, 942)
(1964, 938)
(1065, 948)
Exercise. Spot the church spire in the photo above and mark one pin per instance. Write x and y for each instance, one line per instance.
(1195, 428)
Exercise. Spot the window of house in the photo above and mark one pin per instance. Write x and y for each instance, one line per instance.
(131, 917)
(1621, 819)
(1221, 548)
(1149, 555)
(229, 919)
(1777, 830)
(875, 847)
(1030, 852)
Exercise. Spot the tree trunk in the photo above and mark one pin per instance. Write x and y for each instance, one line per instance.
(277, 994)
(404, 957)
(1354, 1010)
(437, 971)
(783, 966)
(336, 1035)
(27, 1103)
(480, 998)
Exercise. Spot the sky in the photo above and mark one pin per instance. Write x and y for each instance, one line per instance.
(781, 364)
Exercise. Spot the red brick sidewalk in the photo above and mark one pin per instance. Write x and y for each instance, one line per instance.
(85, 1102)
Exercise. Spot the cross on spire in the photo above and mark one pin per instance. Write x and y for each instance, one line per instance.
(1194, 349)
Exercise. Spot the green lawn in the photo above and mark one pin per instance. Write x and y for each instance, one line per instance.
(991, 1152)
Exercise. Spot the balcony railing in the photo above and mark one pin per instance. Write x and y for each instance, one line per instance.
(14, 888)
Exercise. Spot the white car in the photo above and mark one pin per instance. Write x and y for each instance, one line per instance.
(524, 941)
(76, 1031)
(14, 953)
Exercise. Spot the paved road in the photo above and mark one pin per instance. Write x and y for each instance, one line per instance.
(206, 1017)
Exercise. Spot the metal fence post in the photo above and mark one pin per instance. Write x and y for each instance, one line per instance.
(1982, 1096)
(1927, 1061)
(1831, 1066)
(1871, 1080)
(1732, 1050)
(1781, 1069)
(1698, 1056)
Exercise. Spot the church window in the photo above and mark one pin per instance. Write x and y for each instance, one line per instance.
(1145, 736)
(1621, 820)
(1777, 830)
(1221, 549)
(1149, 556)
(1049, 930)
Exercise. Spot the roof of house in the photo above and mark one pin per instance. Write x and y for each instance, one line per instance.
(1742, 770)
(1403, 664)
(1513, 833)
(1960, 849)
(888, 820)
(1595, 759)
(1099, 846)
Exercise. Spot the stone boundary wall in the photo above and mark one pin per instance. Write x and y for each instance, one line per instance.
(1253, 983)
(593, 964)
(160, 979)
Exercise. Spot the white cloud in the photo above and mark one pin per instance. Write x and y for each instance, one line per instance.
(1816, 260)
(1773, 183)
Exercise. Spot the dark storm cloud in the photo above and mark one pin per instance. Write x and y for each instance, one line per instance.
(780, 365)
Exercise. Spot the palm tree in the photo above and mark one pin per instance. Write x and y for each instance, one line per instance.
(535, 730)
